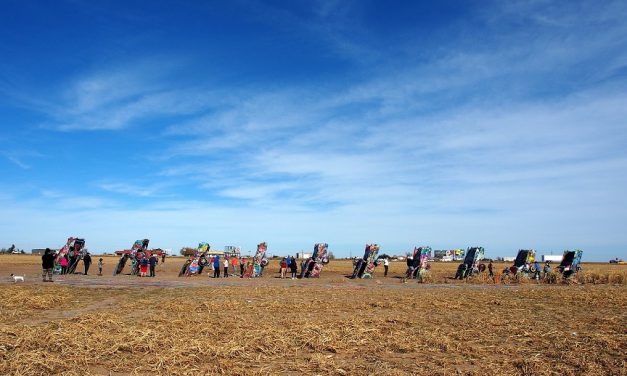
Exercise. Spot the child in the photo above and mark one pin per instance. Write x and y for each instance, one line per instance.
(63, 264)
(100, 264)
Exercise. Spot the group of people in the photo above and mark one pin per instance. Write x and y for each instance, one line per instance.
(142, 264)
(289, 262)
(227, 266)
(65, 264)
(533, 270)
(219, 266)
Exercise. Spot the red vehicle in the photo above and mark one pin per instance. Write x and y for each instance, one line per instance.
(149, 252)
(139, 248)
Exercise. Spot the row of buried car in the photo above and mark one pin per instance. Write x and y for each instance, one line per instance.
(203, 256)
(570, 264)
(74, 250)
(417, 262)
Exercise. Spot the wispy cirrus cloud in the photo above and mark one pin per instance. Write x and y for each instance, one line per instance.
(16, 161)
(143, 190)
(118, 97)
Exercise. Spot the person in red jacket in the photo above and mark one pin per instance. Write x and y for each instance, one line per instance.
(283, 267)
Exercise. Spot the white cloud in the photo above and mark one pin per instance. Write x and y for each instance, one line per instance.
(16, 161)
(145, 190)
(510, 142)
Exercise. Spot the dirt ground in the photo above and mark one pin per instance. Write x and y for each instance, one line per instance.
(106, 325)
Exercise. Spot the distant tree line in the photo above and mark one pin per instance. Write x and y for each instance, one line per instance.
(11, 249)
(187, 251)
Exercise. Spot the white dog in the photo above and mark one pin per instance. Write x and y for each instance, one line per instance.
(17, 278)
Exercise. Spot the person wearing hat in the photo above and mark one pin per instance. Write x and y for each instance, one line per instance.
(47, 264)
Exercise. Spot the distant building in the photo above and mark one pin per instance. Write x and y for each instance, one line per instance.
(448, 254)
(232, 250)
(303, 255)
(552, 258)
(40, 251)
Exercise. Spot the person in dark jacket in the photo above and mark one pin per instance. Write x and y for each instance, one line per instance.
(47, 264)
(87, 262)
(293, 267)
(216, 267)
(461, 271)
(153, 261)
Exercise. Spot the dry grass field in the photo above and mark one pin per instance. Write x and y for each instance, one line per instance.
(331, 326)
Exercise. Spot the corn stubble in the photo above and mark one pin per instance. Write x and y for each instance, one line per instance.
(518, 329)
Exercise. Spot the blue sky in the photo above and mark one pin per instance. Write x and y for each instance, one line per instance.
(502, 124)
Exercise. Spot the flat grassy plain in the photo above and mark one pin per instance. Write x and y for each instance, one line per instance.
(126, 325)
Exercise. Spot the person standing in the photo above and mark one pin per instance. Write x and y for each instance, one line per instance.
(163, 258)
(87, 262)
(293, 267)
(143, 266)
(461, 271)
(386, 265)
(216, 267)
(547, 269)
(226, 267)
(303, 263)
(153, 261)
(47, 265)
(490, 270)
(135, 266)
(536, 271)
(283, 267)
(262, 265)
(234, 263)
(242, 265)
(63, 263)
(100, 264)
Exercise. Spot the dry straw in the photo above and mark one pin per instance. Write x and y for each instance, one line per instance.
(313, 329)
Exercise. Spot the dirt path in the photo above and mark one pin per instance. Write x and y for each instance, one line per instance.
(63, 314)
